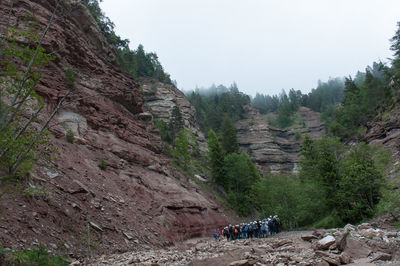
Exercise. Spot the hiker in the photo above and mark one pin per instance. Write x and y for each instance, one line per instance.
(217, 233)
(257, 229)
(226, 233)
(245, 231)
(231, 231)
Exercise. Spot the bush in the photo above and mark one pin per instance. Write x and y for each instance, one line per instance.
(70, 136)
(297, 136)
(102, 164)
(70, 78)
(39, 257)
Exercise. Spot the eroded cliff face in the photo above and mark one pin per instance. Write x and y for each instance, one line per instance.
(385, 131)
(139, 200)
(161, 98)
(274, 149)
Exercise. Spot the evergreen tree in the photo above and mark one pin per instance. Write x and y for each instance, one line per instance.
(229, 139)
(395, 47)
(175, 123)
(216, 159)
(181, 151)
(241, 174)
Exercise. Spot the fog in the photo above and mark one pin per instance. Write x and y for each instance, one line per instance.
(262, 45)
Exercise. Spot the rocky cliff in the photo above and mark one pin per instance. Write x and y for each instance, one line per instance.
(138, 200)
(385, 131)
(161, 98)
(272, 148)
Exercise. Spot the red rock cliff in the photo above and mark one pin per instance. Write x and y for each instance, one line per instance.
(139, 200)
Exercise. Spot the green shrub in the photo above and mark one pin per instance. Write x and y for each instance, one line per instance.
(297, 136)
(102, 164)
(70, 136)
(37, 257)
(70, 78)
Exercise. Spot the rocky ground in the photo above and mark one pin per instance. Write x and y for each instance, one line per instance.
(366, 244)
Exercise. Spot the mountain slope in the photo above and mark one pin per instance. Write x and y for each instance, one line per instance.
(139, 199)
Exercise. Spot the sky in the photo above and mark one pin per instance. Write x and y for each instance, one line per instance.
(262, 45)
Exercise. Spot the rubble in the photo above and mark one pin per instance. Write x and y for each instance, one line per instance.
(340, 246)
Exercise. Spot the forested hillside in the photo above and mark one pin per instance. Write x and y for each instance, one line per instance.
(337, 183)
(101, 153)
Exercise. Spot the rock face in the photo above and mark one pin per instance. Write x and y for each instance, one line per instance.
(137, 199)
(385, 131)
(272, 148)
(160, 100)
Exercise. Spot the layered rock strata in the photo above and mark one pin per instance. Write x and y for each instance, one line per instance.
(274, 149)
(160, 100)
(113, 179)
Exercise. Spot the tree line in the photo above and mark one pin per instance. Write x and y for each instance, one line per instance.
(337, 183)
(138, 63)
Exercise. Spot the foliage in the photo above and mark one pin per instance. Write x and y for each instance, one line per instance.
(390, 202)
(293, 201)
(395, 47)
(297, 136)
(36, 257)
(216, 158)
(70, 136)
(219, 102)
(350, 178)
(363, 100)
(33, 191)
(175, 123)
(240, 175)
(165, 131)
(20, 64)
(325, 95)
(181, 152)
(285, 105)
(137, 63)
(70, 78)
(229, 139)
(102, 164)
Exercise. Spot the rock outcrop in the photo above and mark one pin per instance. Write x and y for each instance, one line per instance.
(385, 131)
(135, 198)
(272, 148)
(161, 98)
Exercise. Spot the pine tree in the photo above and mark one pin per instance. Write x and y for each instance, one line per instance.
(175, 123)
(395, 47)
(216, 158)
(229, 139)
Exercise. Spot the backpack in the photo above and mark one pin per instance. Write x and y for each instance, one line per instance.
(236, 231)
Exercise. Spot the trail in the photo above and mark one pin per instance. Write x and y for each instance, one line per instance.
(365, 244)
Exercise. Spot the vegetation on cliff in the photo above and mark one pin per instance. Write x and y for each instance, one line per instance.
(138, 63)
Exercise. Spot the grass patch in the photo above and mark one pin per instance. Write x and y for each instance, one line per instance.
(36, 257)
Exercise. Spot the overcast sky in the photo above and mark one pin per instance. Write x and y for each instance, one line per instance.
(263, 45)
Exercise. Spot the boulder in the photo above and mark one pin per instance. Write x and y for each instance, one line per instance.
(240, 263)
(382, 256)
(356, 249)
(308, 237)
(345, 259)
(326, 242)
(332, 260)
(341, 241)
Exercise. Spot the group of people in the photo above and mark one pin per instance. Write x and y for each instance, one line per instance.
(257, 229)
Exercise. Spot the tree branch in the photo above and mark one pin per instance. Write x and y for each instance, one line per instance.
(3, 118)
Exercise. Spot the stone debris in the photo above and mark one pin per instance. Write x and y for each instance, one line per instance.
(326, 242)
(349, 245)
